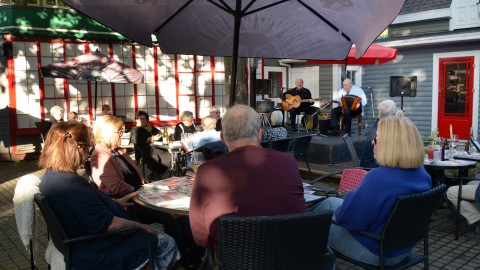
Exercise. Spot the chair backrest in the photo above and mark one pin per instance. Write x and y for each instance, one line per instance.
(410, 218)
(54, 226)
(88, 171)
(213, 150)
(295, 241)
(351, 178)
(351, 150)
(300, 148)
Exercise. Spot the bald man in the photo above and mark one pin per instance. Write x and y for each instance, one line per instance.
(348, 89)
(305, 106)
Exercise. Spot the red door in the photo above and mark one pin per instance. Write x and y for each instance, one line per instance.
(455, 96)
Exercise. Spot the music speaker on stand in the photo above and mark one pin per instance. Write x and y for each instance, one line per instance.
(402, 86)
(264, 87)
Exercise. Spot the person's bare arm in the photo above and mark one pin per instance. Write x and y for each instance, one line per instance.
(119, 223)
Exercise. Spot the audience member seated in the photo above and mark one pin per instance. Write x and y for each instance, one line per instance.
(116, 173)
(185, 126)
(470, 205)
(215, 113)
(274, 134)
(385, 108)
(106, 110)
(209, 134)
(398, 149)
(56, 114)
(85, 210)
(247, 181)
(157, 160)
(113, 170)
(72, 117)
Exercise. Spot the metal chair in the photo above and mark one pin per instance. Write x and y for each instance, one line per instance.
(350, 179)
(408, 223)
(351, 150)
(64, 244)
(296, 241)
(300, 149)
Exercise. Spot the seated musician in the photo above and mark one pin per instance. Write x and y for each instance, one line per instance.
(348, 113)
(299, 99)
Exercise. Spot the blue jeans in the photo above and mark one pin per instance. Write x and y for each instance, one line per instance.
(343, 242)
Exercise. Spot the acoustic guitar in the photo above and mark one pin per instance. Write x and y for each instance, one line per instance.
(296, 101)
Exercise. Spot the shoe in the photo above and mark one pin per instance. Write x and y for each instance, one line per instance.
(475, 234)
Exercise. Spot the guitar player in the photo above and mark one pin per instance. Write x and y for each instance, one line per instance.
(348, 89)
(290, 100)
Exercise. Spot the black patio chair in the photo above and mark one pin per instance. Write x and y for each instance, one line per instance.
(408, 223)
(300, 150)
(64, 243)
(297, 241)
(351, 150)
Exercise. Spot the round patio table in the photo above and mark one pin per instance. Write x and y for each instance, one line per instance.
(452, 165)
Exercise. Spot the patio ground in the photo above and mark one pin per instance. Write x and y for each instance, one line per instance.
(445, 252)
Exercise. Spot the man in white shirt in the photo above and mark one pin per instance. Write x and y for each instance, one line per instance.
(348, 113)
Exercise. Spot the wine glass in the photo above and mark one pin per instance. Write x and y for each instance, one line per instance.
(454, 141)
(197, 160)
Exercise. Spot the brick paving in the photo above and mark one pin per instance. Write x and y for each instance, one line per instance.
(445, 252)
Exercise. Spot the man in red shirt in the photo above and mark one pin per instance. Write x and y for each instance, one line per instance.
(247, 181)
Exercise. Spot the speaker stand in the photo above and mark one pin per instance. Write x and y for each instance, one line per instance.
(401, 103)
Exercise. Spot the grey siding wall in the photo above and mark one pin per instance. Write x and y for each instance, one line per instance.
(410, 62)
(417, 28)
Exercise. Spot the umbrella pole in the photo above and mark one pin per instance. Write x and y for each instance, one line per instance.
(236, 37)
(95, 105)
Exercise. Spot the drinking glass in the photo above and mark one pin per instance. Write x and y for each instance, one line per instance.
(454, 141)
(197, 160)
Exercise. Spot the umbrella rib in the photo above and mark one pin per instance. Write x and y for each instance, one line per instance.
(225, 6)
(325, 20)
(261, 8)
(173, 16)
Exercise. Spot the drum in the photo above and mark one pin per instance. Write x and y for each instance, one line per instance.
(350, 102)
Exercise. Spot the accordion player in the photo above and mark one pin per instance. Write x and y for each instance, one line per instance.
(351, 102)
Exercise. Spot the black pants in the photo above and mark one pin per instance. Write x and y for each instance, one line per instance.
(347, 114)
(313, 111)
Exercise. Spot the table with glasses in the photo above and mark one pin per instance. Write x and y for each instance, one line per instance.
(172, 195)
(454, 164)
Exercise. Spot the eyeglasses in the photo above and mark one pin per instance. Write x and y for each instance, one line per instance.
(121, 131)
(375, 140)
(218, 112)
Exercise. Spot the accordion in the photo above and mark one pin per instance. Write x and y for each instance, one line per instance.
(350, 102)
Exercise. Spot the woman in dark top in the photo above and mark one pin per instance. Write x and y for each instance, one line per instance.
(84, 210)
(157, 160)
(186, 126)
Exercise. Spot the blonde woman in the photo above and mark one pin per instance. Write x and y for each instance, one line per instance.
(398, 148)
(113, 170)
(186, 126)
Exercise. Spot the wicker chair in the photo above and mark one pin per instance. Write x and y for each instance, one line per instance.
(297, 241)
(64, 243)
(408, 223)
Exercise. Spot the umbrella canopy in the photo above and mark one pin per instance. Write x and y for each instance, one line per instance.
(375, 54)
(92, 67)
(299, 29)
